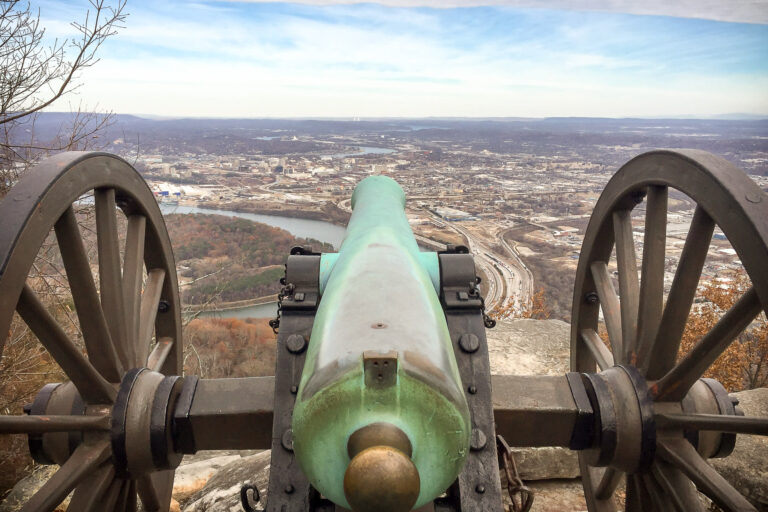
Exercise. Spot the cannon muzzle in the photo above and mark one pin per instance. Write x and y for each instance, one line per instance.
(381, 477)
(381, 421)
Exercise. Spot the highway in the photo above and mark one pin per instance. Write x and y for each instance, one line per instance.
(509, 280)
(522, 288)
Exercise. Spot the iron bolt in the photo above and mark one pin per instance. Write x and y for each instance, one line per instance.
(591, 298)
(478, 440)
(289, 489)
(294, 389)
(295, 343)
(287, 440)
(472, 389)
(480, 489)
(469, 343)
(163, 306)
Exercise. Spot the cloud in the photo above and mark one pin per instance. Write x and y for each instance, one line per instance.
(276, 59)
(738, 11)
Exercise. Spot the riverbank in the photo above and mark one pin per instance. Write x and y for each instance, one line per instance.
(223, 307)
(328, 212)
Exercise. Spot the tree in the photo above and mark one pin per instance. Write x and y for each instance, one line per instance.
(744, 364)
(35, 74)
(535, 308)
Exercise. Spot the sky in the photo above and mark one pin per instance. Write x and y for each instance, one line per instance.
(424, 58)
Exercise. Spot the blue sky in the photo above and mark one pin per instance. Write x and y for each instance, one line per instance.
(256, 59)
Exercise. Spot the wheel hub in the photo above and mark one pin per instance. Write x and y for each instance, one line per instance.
(626, 431)
(142, 433)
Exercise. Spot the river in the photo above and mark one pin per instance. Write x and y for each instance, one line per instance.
(363, 150)
(305, 228)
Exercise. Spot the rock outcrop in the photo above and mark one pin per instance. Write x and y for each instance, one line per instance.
(747, 467)
(534, 347)
(222, 491)
(209, 482)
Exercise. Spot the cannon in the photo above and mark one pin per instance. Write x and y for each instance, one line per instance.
(382, 397)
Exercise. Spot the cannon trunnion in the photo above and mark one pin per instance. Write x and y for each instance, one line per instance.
(382, 398)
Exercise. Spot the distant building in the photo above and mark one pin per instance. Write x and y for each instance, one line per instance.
(452, 214)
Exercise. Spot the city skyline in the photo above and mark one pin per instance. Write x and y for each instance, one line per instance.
(402, 59)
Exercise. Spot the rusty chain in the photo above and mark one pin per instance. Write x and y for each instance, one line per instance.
(489, 322)
(285, 291)
(519, 494)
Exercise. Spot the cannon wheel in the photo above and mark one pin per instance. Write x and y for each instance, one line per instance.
(645, 329)
(134, 321)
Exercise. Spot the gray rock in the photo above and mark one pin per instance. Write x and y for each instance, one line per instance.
(747, 467)
(194, 473)
(534, 347)
(221, 493)
(529, 347)
(546, 463)
(27, 487)
(560, 495)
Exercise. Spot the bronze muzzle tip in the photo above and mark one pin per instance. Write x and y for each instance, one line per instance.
(381, 477)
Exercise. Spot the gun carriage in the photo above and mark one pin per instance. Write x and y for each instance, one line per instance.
(382, 398)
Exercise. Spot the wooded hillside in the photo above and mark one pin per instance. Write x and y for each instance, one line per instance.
(228, 259)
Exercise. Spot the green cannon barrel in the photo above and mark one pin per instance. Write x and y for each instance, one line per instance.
(381, 421)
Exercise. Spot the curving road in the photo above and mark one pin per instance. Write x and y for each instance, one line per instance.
(509, 280)
(522, 287)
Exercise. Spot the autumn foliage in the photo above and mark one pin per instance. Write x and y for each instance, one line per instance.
(744, 364)
(536, 308)
(230, 259)
(25, 367)
(229, 347)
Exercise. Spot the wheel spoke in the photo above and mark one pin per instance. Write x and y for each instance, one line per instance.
(131, 503)
(78, 466)
(112, 494)
(600, 352)
(629, 289)
(110, 274)
(608, 483)
(89, 382)
(680, 299)
(683, 455)
(609, 302)
(679, 489)
(652, 280)
(675, 384)
(98, 340)
(159, 354)
(655, 493)
(149, 304)
(637, 498)
(133, 267)
(717, 422)
(89, 494)
(25, 424)
(155, 490)
(127, 497)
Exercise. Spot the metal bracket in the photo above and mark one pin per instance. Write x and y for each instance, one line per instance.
(479, 484)
(289, 489)
(302, 270)
(584, 426)
(458, 279)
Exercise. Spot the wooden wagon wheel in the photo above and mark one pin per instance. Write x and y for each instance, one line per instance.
(99, 425)
(659, 420)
